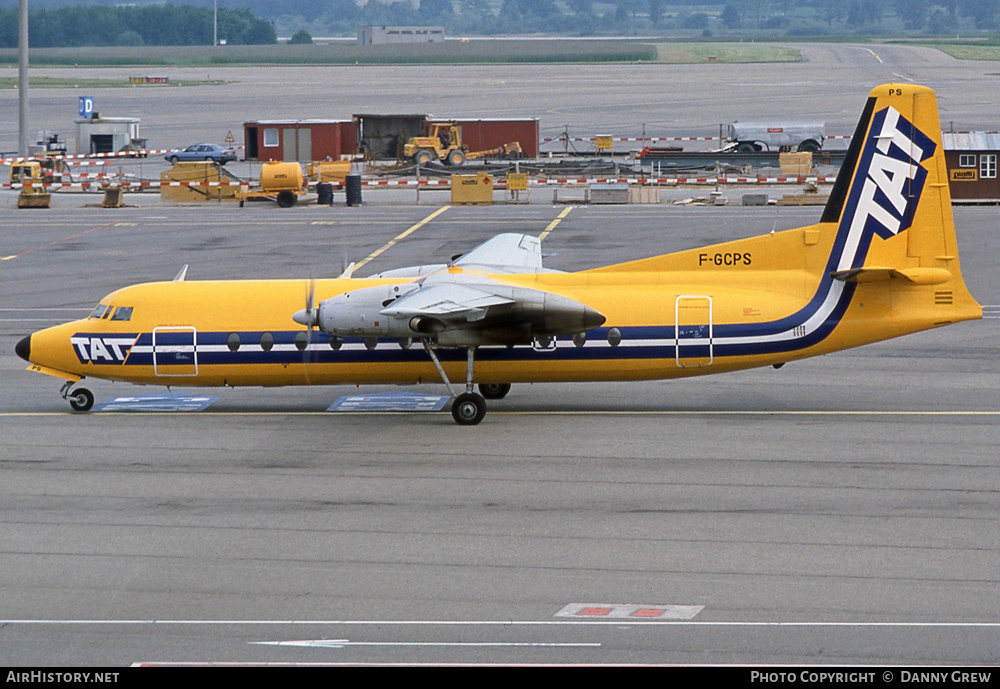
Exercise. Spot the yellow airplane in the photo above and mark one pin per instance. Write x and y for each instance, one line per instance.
(881, 263)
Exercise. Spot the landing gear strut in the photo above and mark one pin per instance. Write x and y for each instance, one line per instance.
(469, 408)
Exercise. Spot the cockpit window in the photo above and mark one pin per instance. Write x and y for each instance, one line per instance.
(122, 313)
(100, 311)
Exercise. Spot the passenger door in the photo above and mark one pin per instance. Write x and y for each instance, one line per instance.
(175, 351)
(693, 333)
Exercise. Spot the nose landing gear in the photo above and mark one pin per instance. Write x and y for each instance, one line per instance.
(80, 399)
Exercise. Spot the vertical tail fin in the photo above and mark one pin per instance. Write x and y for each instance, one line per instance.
(891, 205)
(891, 201)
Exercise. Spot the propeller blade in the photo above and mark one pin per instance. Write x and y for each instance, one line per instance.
(307, 317)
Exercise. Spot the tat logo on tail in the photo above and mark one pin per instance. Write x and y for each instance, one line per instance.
(886, 198)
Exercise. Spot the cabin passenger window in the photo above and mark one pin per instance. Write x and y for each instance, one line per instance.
(122, 313)
(233, 342)
(266, 341)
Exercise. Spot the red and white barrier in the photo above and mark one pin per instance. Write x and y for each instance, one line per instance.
(105, 181)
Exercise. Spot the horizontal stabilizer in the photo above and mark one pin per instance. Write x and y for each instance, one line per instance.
(918, 276)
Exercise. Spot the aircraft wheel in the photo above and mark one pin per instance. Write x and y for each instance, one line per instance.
(494, 391)
(468, 409)
(81, 399)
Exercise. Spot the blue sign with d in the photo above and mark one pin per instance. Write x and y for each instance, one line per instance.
(86, 106)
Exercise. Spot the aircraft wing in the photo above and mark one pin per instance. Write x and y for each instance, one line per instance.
(505, 253)
(519, 253)
(455, 309)
(446, 302)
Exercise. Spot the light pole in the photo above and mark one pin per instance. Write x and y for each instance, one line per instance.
(22, 77)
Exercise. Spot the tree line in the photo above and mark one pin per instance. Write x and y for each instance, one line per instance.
(66, 23)
(631, 17)
(75, 26)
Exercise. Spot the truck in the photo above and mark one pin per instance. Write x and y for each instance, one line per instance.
(753, 137)
(33, 175)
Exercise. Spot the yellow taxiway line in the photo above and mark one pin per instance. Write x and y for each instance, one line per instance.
(552, 225)
(401, 236)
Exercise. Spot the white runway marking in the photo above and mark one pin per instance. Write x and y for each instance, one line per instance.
(502, 623)
(342, 643)
(554, 412)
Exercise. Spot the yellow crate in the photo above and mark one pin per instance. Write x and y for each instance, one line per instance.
(197, 178)
(472, 190)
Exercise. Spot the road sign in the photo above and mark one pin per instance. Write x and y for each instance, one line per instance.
(86, 106)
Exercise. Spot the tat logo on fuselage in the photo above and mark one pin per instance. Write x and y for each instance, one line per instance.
(891, 188)
(102, 349)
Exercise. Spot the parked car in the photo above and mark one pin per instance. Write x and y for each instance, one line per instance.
(203, 152)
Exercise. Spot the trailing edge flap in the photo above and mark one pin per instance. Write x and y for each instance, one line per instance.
(445, 300)
(917, 276)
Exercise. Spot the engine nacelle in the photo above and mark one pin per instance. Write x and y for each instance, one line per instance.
(356, 314)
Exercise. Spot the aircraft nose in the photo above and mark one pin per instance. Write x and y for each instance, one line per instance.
(23, 348)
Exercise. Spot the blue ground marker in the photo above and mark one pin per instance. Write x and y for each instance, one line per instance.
(390, 401)
(166, 401)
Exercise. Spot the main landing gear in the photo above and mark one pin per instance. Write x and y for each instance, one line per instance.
(494, 391)
(468, 408)
(80, 399)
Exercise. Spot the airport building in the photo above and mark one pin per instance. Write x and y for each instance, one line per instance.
(299, 140)
(98, 134)
(971, 158)
(380, 137)
(385, 35)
